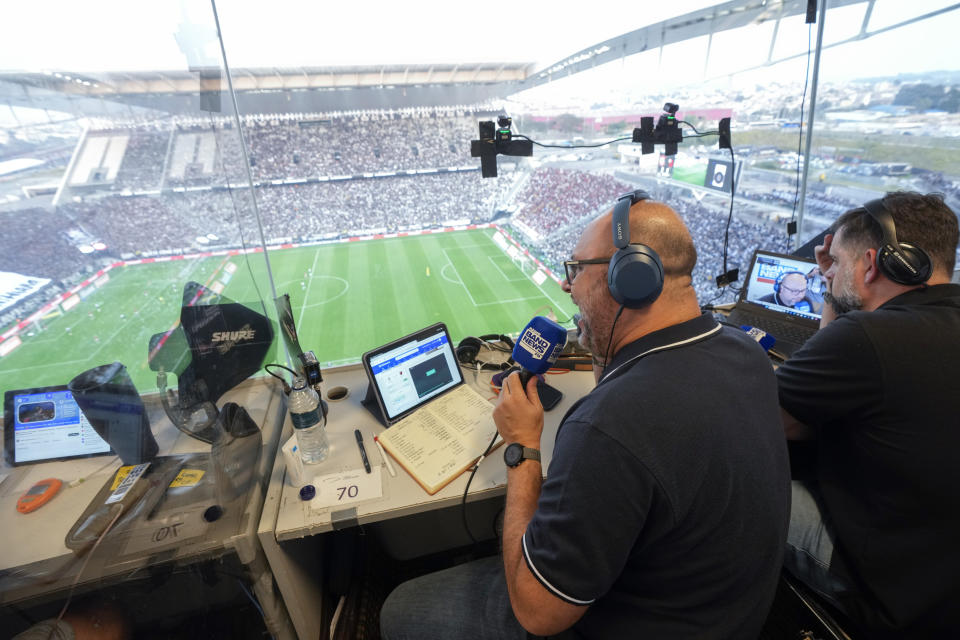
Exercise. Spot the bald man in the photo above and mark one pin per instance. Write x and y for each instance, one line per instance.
(664, 512)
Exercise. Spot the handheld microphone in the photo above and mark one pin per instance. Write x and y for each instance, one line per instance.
(762, 338)
(537, 348)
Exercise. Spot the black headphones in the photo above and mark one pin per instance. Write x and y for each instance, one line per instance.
(635, 276)
(776, 284)
(469, 348)
(901, 262)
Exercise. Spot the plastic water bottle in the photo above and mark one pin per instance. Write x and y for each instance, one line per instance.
(304, 406)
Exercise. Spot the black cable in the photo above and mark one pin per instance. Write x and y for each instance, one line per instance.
(606, 358)
(709, 303)
(803, 99)
(571, 146)
(689, 125)
(733, 188)
(473, 472)
(266, 368)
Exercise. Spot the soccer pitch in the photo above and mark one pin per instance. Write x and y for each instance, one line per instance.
(346, 297)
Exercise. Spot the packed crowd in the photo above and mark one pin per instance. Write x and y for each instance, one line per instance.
(173, 221)
(707, 226)
(291, 146)
(553, 198)
(35, 244)
(131, 225)
(142, 161)
(816, 203)
(382, 204)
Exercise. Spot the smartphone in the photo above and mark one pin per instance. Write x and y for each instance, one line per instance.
(549, 396)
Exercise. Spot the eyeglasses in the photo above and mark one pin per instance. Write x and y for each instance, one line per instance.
(573, 267)
(795, 292)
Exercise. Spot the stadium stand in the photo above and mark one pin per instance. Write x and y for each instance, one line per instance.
(171, 192)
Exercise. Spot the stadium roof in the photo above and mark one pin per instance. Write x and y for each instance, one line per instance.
(293, 89)
(114, 84)
(179, 90)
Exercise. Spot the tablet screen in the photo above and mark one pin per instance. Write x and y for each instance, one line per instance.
(410, 371)
(46, 424)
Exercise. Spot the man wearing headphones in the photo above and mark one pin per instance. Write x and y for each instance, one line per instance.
(790, 290)
(665, 507)
(876, 528)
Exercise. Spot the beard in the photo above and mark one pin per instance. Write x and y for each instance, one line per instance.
(845, 302)
(594, 326)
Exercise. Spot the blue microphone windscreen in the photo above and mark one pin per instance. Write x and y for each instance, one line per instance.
(763, 338)
(539, 345)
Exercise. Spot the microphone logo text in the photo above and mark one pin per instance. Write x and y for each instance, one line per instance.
(232, 336)
(536, 344)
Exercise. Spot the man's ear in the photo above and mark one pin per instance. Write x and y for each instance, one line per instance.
(872, 271)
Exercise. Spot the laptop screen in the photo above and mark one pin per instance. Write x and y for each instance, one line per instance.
(785, 284)
(410, 371)
(46, 424)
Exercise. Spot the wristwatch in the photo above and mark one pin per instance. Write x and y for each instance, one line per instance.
(516, 453)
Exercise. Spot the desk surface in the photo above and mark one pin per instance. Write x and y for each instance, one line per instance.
(402, 496)
(34, 558)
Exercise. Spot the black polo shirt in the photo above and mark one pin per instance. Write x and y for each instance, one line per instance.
(666, 503)
(883, 390)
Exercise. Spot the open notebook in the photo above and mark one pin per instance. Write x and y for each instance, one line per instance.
(438, 426)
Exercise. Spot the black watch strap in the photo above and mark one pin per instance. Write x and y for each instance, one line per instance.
(516, 453)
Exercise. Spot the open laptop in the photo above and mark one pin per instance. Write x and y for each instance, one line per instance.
(783, 295)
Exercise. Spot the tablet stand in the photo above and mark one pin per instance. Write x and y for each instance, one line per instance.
(370, 402)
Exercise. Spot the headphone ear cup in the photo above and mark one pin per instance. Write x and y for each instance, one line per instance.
(891, 265)
(635, 276)
(468, 349)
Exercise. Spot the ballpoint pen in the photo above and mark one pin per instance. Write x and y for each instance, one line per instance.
(363, 451)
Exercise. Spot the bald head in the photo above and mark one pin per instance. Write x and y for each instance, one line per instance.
(655, 225)
(660, 228)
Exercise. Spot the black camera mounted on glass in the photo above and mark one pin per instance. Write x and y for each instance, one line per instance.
(498, 139)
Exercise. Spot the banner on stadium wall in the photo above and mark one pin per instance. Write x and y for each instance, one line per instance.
(230, 267)
(14, 287)
(70, 302)
(102, 280)
(86, 292)
(526, 230)
(217, 287)
(499, 240)
(9, 345)
(513, 252)
(539, 277)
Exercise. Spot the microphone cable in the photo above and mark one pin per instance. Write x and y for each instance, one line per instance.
(606, 358)
(473, 472)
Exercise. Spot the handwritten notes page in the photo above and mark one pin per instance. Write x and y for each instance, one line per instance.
(438, 442)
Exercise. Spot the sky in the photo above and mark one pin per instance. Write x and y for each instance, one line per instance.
(143, 35)
(139, 34)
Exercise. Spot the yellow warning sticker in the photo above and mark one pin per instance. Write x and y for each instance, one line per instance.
(122, 473)
(187, 478)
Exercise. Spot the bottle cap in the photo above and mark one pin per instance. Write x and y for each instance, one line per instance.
(307, 492)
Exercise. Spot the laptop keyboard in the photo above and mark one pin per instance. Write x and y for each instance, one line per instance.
(782, 331)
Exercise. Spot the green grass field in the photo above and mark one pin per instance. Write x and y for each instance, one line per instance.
(691, 175)
(361, 295)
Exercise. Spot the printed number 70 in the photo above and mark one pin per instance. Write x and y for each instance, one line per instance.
(350, 491)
